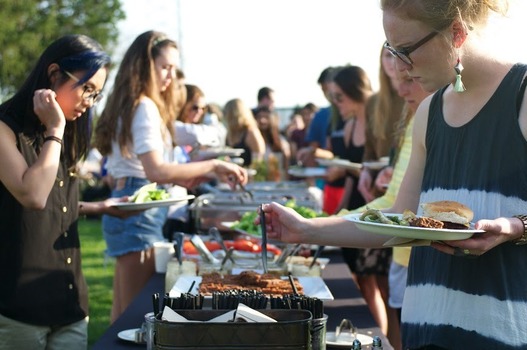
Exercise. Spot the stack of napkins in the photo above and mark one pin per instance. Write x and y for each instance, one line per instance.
(243, 313)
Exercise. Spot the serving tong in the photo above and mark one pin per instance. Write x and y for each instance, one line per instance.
(347, 326)
(316, 255)
(203, 251)
(264, 238)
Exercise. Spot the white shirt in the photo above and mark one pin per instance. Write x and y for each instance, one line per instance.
(148, 134)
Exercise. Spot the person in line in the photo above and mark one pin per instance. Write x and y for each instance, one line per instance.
(243, 132)
(351, 93)
(191, 130)
(385, 107)
(265, 98)
(316, 135)
(296, 132)
(44, 134)
(413, 94)
(277, 148)
(136, 133)
(468, 145)
(371, 266)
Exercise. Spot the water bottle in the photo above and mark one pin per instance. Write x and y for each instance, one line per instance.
(377, 343)
(356, 345)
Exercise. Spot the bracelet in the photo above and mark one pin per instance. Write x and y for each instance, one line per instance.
(53, 138)
(523, 238)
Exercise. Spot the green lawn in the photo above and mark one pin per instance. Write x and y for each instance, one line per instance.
(98, 271)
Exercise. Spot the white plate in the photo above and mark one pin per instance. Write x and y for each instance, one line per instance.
(314, 287)
(152, 204)
(307, 172)
(376, 165)
(345, 340)
(128, 334)
(341, 163)
(433, 234)
(219, 152)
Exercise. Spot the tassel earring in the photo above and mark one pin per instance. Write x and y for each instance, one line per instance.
(458, 86)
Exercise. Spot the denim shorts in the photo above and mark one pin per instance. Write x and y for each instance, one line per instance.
(135, 233)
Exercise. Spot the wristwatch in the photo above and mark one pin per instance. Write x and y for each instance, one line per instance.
(523, 238)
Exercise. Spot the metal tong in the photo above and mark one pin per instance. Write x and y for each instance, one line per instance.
(264, 238)
(246, 191)
(215, 233)
(203, 250)
(316, 255)
(177, 238)
(346, 325)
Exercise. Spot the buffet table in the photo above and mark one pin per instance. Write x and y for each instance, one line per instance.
(348, 303)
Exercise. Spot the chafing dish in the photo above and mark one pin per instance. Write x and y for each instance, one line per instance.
(212, 209)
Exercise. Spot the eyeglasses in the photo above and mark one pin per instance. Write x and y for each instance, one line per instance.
(404, 54)
(196, 108)
(88, 93)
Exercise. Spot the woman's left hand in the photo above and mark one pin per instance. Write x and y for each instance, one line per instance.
(108, 207)
(497, 231)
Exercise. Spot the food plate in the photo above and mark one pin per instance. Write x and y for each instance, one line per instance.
(377, 165)
(433, 234)
(345, 340)
(341, 163)
(219, 152)
(314, 287)
(128, 334)
(152, 204)
(307, 172)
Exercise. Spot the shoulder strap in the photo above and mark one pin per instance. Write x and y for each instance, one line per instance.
(521, 93)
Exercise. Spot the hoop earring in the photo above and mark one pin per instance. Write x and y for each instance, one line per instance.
(459, 86)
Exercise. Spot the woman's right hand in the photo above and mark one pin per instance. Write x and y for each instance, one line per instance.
(365, 185)
(48, 110)
(230, 173)
(282, 223)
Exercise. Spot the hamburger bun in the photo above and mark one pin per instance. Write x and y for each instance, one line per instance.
(449, 212)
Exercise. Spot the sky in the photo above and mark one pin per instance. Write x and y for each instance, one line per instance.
(231, 48)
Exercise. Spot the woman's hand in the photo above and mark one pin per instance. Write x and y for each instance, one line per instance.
(497, 231)
(283, 223)
(48, 110)
(365, 185)
(383, 179)
(230, 173)
(107, 207)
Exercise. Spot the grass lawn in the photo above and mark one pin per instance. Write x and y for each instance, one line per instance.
(99, 276)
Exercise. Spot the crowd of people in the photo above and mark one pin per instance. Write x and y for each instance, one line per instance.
(452, 131)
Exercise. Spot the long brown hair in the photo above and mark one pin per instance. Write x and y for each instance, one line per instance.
(136, 78)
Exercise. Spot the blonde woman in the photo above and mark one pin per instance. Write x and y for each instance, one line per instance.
(243, 132)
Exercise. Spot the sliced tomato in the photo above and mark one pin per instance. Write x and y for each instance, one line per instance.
(212, 245)
(246, 246)
(188, 248)
(273, 249)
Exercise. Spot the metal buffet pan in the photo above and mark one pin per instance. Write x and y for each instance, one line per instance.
(211, 209)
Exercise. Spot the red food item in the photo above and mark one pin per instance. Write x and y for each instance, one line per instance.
(246, 246)
(188, 248)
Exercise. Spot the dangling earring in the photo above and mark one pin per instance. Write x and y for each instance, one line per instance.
(458, 86)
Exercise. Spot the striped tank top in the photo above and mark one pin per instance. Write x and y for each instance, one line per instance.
(473, 302)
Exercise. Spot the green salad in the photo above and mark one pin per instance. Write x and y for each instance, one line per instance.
(149, 193)
(246, 222)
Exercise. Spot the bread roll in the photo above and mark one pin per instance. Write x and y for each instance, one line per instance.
(448, 211)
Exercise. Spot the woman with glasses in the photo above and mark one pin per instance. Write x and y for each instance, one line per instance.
(190, 126)
(469, 145)
(136, 133)
(44, 133)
